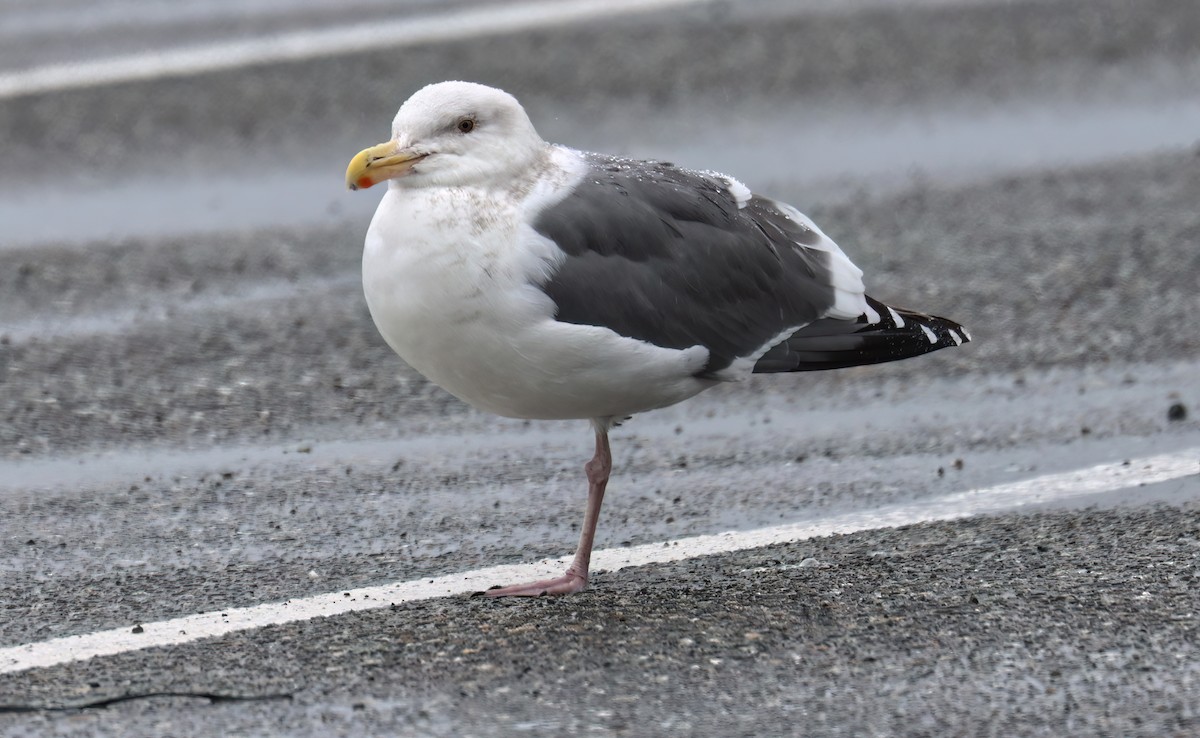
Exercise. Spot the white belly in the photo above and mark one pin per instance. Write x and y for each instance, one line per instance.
(462, 307)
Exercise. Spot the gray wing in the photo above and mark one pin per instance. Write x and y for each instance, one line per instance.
(667, 256)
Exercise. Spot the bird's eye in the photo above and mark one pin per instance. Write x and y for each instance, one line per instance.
(466, 125)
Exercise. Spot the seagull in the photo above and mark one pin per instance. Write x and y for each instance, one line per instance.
(535, 281)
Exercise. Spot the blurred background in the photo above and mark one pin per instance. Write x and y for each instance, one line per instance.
(152, 117)
(171, 187)
(197, 413)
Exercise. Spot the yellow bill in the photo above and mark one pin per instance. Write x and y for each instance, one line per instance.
(378, 163)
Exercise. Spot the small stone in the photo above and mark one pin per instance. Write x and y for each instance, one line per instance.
(138, 629)
(1177, 412)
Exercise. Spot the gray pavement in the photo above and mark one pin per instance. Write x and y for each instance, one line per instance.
(197, 413)
(1090, 630)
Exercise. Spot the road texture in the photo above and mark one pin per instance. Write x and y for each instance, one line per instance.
(197, 413)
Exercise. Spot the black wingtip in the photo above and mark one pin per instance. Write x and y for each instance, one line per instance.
(890, 334)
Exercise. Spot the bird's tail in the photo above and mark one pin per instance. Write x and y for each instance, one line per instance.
(892, 333)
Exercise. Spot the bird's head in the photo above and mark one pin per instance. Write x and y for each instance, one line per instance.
(451, 134)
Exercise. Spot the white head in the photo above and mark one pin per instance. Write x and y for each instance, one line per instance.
(451, 134)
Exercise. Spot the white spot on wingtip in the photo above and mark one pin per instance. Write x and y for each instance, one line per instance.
(895, 316)
(957, 339)
(929, 334)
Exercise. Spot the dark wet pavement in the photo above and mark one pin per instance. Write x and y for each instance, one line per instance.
(198, 414)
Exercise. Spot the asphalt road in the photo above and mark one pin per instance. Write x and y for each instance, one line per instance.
(197, 413)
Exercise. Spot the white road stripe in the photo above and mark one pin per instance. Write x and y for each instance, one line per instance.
(496, 18)
(1004, 497)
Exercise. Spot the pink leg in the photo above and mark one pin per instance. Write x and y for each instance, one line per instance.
(576, 577)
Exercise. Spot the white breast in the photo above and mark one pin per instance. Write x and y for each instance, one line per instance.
(457, 299)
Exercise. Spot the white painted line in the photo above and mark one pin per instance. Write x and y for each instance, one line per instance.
(1051, 487)
(492, 19)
